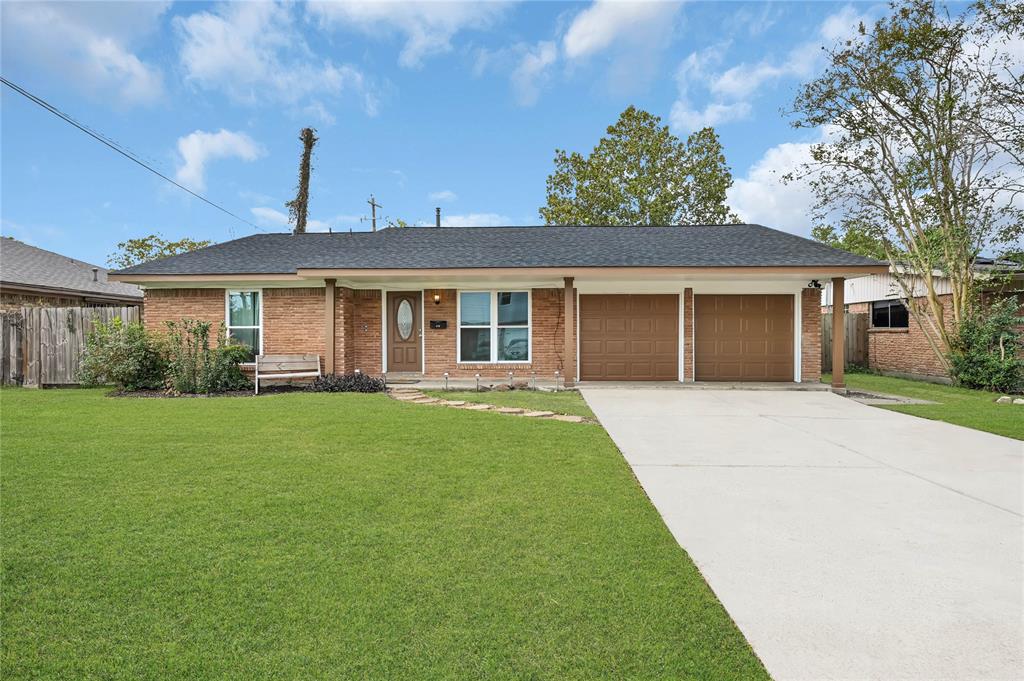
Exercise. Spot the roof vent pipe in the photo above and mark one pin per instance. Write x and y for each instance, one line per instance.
(437, 217)
(95, 273)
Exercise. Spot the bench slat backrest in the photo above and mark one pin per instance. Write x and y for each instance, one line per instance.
(288, 363)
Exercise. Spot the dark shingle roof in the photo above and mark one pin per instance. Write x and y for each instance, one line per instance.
(486, 247)
(31, 266)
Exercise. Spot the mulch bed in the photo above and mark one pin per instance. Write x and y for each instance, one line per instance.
(232, 393)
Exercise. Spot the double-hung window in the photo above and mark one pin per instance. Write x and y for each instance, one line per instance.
(494, 326)
(889, 314)
(244, 320)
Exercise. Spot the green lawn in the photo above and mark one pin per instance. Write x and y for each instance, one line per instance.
(971, 408)
(336, 536)
(562, 402)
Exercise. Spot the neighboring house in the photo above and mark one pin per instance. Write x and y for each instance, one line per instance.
(705, 303)
(30, 276)
(896, 342)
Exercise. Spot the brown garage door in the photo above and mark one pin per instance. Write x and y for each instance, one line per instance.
(743, 338)
(629, 337)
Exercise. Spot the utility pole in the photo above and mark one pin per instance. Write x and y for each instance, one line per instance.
(373, 211)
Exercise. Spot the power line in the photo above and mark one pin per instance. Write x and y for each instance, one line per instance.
(103, 139)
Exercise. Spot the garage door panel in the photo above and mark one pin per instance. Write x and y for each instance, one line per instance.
(743, 337)
(615, 347)
(634, 337)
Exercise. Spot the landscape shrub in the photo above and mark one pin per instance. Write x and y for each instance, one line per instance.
(122, 354)
(194, 367)
(346, 383)
(985, 350)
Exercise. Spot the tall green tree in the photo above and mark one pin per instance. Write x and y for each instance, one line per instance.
(152, 247)
(915, 151)
(641, 174)
(851, 239)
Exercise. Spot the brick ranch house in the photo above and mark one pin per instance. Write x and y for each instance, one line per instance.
(896, 343)
(689, 303)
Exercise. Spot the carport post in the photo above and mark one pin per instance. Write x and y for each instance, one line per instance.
(569, 365)
(329, 326)
(838, 332)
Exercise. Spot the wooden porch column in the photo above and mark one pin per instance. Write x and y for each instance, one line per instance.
(329, 326)
(838, 332)
(569, 365)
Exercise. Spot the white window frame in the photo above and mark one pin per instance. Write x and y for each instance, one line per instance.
(227, 317)
(493, 326)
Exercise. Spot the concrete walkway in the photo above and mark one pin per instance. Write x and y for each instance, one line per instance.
(848, 542)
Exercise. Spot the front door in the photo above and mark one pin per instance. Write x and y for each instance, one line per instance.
(404, 337)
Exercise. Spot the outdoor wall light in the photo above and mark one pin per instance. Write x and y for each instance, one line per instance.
(437, 298)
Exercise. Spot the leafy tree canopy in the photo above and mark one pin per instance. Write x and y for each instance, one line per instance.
(641, 174)
(850, 239)
(152, 247)
(922, 147)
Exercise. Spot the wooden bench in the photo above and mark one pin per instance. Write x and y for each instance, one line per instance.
(286, 366)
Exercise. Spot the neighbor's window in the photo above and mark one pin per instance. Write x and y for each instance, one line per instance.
(244, 323)
(494, 326)
(889, 314)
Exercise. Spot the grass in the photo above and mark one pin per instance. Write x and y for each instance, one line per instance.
(562, 402)
(343, 536)
(971, 408)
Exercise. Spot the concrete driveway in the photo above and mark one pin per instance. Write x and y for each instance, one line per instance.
(848, 542)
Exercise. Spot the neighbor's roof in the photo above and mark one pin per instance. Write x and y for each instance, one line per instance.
(24, 265)
(507, 247)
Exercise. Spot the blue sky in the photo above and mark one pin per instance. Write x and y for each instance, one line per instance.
(455, 105)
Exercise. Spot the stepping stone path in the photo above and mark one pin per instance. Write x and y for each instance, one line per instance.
(416, 396)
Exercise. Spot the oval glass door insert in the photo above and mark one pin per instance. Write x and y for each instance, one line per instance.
(403, 320)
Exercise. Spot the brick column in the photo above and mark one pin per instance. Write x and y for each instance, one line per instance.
(838, 332)
(569, 365)
(687, 332)
(329, 326)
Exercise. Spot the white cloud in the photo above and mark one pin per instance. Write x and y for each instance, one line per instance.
(607, 22)
(254, 53)
(730, 91)
(634, 33)
(276, 218)
(761, 196)
(528, 67)
(89, 44)
(443, 195)
(199, 148)
(530, 75)
(683, 117)
(802, 61)
(428, 27)
(474, 220)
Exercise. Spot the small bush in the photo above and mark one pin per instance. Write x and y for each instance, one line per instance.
(346, 383)
(193, 367)
(122, 354)
(985, 351)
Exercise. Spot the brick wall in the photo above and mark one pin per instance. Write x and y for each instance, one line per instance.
(688, 374)
(810, 336)
(366, 332)
(907, 350)
(162, 305)
(293, 321)
(547, 336)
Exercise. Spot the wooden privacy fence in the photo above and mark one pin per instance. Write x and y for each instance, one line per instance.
(43, 345)
(855, 345)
